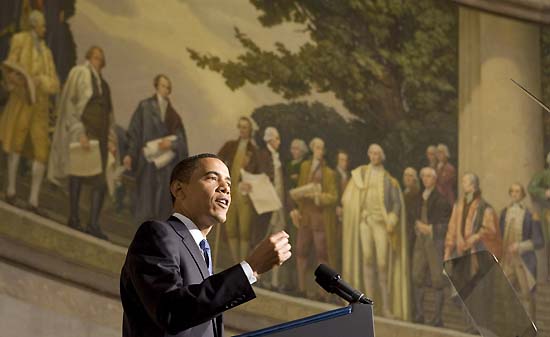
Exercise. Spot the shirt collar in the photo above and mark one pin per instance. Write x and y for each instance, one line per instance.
(517, 205)
(193, 229)
(272, 150)
(92, 69)
(427, 192)
(161, 99)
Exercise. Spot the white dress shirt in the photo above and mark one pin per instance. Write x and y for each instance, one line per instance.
(198, 237)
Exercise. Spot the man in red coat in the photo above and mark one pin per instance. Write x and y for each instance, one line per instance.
(446, 174)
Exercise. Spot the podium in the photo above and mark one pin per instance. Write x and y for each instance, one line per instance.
(355, 320)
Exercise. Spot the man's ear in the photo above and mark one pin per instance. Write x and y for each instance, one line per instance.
(177, 188)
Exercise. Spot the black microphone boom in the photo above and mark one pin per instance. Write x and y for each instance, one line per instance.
(331, 281)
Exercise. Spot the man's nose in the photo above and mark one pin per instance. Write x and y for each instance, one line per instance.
(224, 187)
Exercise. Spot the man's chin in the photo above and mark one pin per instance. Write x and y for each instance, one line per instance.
(220, 218)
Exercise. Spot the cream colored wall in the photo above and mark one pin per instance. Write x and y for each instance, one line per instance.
(500, 128)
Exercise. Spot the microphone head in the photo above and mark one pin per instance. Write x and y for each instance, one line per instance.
(326, 277)
(326, 272)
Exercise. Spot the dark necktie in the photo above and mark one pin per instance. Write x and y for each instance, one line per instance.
(205, 247)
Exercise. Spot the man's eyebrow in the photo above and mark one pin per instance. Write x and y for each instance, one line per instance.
(218, 174)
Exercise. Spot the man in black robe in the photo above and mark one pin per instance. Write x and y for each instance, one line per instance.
(155, 122)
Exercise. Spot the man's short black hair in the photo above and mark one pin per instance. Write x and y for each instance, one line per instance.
(185, 168)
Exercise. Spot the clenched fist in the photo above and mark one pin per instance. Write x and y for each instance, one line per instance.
(272, 251)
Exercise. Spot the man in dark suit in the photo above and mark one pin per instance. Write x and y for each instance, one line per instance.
(431, 213)
(167, 286)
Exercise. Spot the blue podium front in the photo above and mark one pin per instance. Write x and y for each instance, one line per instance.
(355, 320)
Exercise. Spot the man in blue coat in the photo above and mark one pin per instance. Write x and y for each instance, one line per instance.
(155, 124)
(522, 235)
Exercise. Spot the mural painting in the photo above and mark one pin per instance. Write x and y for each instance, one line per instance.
(349, 108)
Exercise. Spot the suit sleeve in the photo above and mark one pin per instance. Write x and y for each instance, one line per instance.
(444, 212)
(155, 267)
(134, 134)
(450, 237)
(180, 145)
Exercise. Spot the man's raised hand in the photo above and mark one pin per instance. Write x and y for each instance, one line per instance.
(272, 251)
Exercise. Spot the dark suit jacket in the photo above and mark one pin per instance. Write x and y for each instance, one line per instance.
(229, 149)
(265, 163)
(165, 288)
(439, 212)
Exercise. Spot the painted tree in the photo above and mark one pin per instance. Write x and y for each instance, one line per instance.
(391, 62)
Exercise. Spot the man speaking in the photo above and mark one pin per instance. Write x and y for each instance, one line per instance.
(167, 285)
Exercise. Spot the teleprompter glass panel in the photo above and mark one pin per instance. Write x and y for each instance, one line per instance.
(488, 296)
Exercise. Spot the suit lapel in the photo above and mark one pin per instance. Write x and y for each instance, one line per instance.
(190, 245)
(432, 199)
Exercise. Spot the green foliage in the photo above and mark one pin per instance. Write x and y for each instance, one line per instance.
(393, 64)
(307, 120)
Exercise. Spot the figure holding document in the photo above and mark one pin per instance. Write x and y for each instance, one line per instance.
(240, 153)
(156, 142)
(81, 138)
(316, 211)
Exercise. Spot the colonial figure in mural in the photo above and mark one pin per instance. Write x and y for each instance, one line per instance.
(298, 151)
(522, 235)
(315, 196)
(156, 143)
(410, 196)
(30, 73)
(269, 163)
(446, 174)
(342, 178)
(239, 154)
(431, 156)
(432, 213)
(85, 115)
(473, 225)
(374, 235)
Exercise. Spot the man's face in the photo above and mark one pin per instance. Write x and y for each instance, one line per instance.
(295, 151)
(40, 29)
(515, 193)
(207, 196)
(97, 59)
(318, 151)
(430, 154)
(408, 180)
(467, 184)
(375, 157)
(245, 129)
(441, 156)
(428, 180)
(275, 142)
(343, 161)
(163, 87)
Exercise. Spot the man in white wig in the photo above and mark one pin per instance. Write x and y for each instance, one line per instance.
(85, 115)
(272, 222)
(374, 238)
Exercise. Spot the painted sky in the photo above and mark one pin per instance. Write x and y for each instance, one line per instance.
(142, 38)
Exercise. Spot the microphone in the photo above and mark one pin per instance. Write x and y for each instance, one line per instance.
(332, 282)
